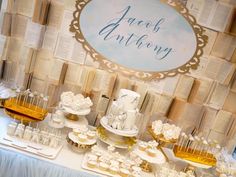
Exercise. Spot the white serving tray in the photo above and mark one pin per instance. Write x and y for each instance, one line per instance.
(97, 170)
(30, 147)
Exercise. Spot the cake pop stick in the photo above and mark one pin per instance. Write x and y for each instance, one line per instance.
(185, 139)
(17, 94)
(31, 95)
(205, 145)
(26, 97)
(202, 146)
(191, 139)
(40, 100)
(182, 140)
(45, 103)
(197, 140)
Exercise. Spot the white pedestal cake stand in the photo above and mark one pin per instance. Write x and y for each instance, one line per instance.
(123, 139)
(81, 121)
(148, 161)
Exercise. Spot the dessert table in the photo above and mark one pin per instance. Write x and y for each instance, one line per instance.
(14, 162)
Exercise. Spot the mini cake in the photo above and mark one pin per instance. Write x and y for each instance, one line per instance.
(142, 146)
(103, 166)
(92, 163)
(91, 134)
(57, 120)
(114, 163)
(82, 137)
(28, 133)
(151, 152)
(124, 172)
(11, 129)
(92, 157)
(114, 170)
(76, 131)
(19, 131)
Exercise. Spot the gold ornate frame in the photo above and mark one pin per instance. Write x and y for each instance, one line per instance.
(113, 67)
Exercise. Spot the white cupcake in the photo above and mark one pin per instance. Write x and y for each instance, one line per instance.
(103, 166)
(124, 172)
(82, 137)
(91, 134)
(92, 163)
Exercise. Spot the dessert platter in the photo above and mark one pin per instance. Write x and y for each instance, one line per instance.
(81, 139)
(111, 163)
(33, 140)
(118, 126)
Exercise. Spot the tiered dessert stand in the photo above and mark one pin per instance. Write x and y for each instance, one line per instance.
(123, 139)
(75, 119)
(148, 161)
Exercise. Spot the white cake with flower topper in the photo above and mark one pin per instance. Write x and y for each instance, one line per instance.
(123, 113)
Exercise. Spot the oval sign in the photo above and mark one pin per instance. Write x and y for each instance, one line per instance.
(147, 39)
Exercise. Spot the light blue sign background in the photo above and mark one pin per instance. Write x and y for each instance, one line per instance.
(145, 35)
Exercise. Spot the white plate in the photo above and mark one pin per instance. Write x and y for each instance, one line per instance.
(159, 158)
(126, 133)
(76, 124)
(198, 165)
(76, 139)
(104, 173)
(110, 142)
(80, 113)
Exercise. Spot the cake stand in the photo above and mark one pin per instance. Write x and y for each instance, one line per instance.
(75, 119)
(75, 115)
(161, 141)
(123, 139)
(79, 146)
(148, 161)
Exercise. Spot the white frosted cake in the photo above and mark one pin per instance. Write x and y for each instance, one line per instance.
(123, 111)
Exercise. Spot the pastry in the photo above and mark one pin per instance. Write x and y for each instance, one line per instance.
(11, 129)
(19, 131)
(82, 137)
(76, 131)
(114, 163)
(103, 166)
(114, 170)
(151, 152)
(28, 133)
(92, 163)
(142, 146)
(91, 134)
(124, 172)
(92, 157)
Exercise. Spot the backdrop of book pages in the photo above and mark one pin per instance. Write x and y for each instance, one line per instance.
(37, 51)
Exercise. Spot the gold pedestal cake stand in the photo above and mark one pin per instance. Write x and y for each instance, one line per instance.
(162, 141)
